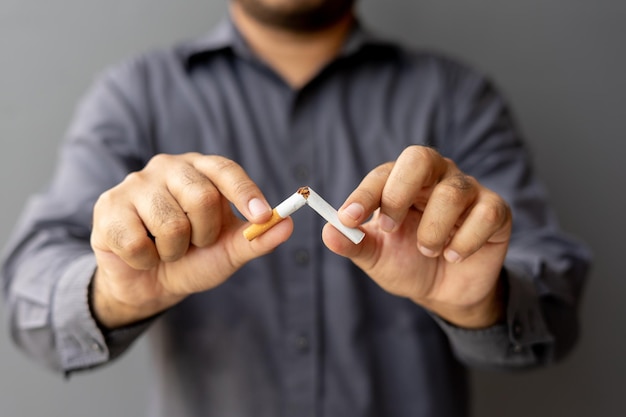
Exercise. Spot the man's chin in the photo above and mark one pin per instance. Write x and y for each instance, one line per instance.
(297, 15)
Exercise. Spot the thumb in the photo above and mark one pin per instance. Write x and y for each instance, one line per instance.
(241, 250)
(364, 254)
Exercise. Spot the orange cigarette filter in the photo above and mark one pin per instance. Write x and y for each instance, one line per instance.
(255, 230)
(284, 209)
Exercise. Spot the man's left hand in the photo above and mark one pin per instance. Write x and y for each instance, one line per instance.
(437, 236)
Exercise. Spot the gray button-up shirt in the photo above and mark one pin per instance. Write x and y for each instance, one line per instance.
(302, 331)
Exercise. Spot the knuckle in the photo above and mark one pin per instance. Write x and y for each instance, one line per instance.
(224, 164)
(456, 189)
(104, 211)
(238, 181)
(159, 160)
(244, 187)
(203, 198)
(135, 247)
(162, 211)
(492, 213)
(449, 194)
(431, 235)
(469, 243)
(192, 155)
(393, 201)
(462, 182)
(382, 170)
(104, 202)
(368, 196)
(132, 179)
(116, 235)
(424, 160)
(422, 153)
(427, 157)
(421, 156)
(130, 246)
(189, 177)
(174, 229)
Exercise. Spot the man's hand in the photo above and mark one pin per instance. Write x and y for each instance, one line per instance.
(168, 231)
(437, 236)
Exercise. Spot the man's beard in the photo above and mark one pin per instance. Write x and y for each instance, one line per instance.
(298, 15)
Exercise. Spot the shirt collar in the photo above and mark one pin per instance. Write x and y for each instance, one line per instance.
(223, 36)
(226, 36)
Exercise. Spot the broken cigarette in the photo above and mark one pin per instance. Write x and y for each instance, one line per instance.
(283, 210)
(321, 206)
(304, 195)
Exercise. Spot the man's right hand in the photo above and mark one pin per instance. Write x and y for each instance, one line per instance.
(168, 231)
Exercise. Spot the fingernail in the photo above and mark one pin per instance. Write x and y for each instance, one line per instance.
(257, 207)
(427, 252)
(452, 257)
(386, 223)
(354, 211)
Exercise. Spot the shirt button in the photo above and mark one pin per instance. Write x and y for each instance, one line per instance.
(96, 347)
(302, 257)
(302, 344)
(517, 329)
(301, 172)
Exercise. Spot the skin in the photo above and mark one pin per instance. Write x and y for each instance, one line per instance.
(437, 236)
(296, 54)
(301, 16)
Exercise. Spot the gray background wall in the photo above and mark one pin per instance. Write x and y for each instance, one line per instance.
(560, 62)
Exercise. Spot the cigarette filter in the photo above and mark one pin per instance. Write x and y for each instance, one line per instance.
(284, 209)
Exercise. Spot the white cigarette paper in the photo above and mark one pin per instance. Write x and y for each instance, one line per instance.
(324, 209)
(290, 205)
(284, 209)
(304, 195)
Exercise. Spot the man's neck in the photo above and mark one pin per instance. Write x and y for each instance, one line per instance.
(296, 56)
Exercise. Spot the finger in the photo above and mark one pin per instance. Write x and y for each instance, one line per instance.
(234, 184)
(489, 221)
(122, 232)
(448, 202)
(365, 199)
(200, 200)
(166, 221)
(416, 168)
(240, 250)
(229, 254)
(158, 209)
(363, 254)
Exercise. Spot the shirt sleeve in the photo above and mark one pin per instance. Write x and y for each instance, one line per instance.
(520, 342)
(545, 269)
(48, 263)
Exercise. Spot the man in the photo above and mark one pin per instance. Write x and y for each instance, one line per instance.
(173, 154)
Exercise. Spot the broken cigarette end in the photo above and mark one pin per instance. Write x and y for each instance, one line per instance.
(324, 209)
(285, 209)
(304, 192)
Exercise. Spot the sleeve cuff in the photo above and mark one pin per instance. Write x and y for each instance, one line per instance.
(523, 341)
(81, 344)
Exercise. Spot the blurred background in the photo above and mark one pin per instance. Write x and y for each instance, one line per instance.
(561, 63)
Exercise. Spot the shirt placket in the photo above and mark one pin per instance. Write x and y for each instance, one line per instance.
(301, 289)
